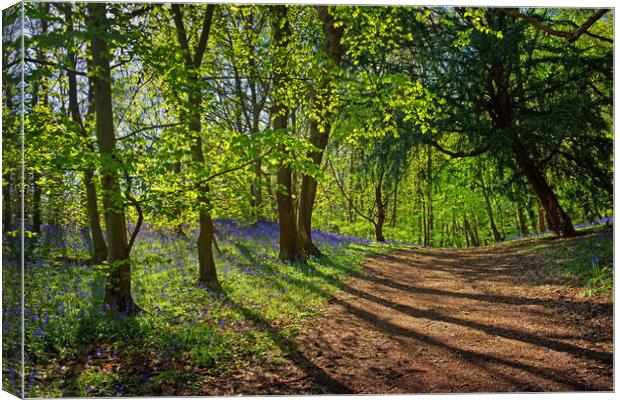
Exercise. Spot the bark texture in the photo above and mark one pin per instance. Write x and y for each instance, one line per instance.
(118, 285)
(94, 220)
(319, 130)
(290, 247)
(207, 274)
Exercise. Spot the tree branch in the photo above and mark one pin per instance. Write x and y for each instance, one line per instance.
(232, 169)
(199, 51)
(138, 208)
(51, 64)
(181, 34)
(146, 128)
(586, 25)
(571, 36)
(458, 154)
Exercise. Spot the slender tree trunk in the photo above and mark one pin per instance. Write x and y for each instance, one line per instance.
(425, 225)
(178, 228)
(521, 218)
(429, 196)
(206, 262)
(94, 221)
(531, 210)
(558, 220)
(290, 246)
(99, 246)
(207, 274)
(118, 285)
(380, 211)
(496, 235)
(255, 188)
(394, 204)
(36, 203)
(541, 219)
(467, 230)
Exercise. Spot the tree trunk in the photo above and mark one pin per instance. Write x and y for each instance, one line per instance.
(496, 235)
(118, 285)
(531, 210)
(380, 211)
(429, 196)
(319, 132)
(307, 194)
(255, 188)
(99, 246)
(290, 246)
(467, 230)
(36, 203)
(541, 219)
(521, 218)
(206, 262)
(100, 249)
(558, 220)
(425, 224)
(207, 274)
(36, 187)
(394, 204)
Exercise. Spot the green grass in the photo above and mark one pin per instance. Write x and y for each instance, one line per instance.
(185, 331)
(586, 260)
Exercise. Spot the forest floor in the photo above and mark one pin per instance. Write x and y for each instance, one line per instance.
(491, 319)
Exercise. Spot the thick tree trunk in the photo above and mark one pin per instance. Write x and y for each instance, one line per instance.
(118, 285)
(290, 246)
(319, 132)
(558, 220)
(307, 193)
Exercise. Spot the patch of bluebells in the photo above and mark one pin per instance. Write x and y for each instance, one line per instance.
(74, 296)
(601, 221)
(268, 231)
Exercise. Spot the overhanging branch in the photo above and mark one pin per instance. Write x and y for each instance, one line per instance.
(458, 154)
(570, 36)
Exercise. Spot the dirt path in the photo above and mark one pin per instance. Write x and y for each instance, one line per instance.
(445, 321)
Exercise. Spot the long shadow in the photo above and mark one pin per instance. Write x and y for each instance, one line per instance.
(320, 377)
(468, 355)
(305, 269)
(606, 307)
(491, 330)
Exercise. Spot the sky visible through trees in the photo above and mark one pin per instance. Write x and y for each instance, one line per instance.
(210, 151)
